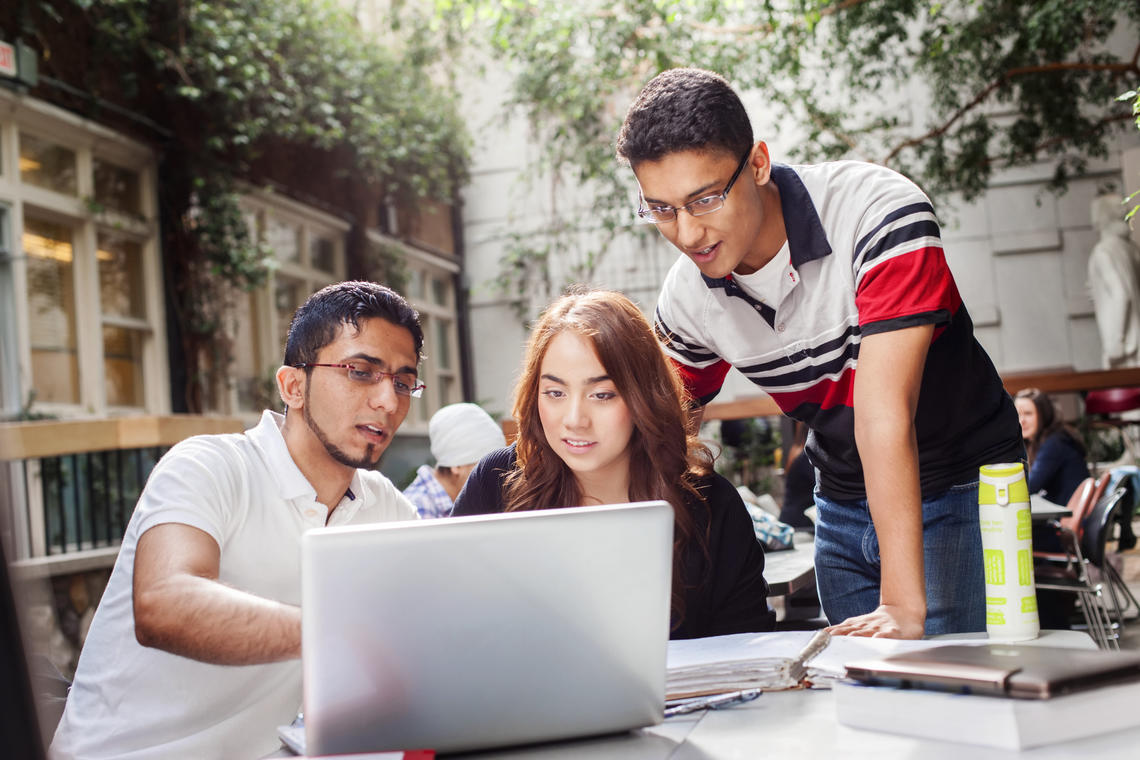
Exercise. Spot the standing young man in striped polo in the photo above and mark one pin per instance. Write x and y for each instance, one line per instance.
(827, 286)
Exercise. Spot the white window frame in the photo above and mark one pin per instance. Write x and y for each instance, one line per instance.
(89, 141)
(444, 269)
(263, 205)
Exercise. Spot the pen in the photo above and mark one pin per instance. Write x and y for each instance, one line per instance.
(817, 644)
(713, 702)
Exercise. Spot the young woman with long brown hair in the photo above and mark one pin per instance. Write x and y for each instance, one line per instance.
(601, 419)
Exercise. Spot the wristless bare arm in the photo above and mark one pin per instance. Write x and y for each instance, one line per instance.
(887, 385)
(181, 607)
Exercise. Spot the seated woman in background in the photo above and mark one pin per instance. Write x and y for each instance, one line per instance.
(1056, 453)
(601, 420)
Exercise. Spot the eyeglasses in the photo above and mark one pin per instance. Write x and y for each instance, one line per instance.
(661, 213)
(404, 383)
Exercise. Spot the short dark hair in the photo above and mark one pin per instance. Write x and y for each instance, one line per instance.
(684, 109)
(318, 321)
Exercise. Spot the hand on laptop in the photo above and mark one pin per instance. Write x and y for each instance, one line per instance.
(887, 621)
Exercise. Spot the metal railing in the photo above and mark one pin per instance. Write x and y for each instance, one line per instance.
(68, 488)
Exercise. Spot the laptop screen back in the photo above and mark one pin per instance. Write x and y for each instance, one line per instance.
(474, 632)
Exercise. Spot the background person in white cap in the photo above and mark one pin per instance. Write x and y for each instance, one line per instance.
(460, 435)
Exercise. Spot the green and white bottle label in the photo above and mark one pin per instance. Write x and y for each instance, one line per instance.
(1007, 553)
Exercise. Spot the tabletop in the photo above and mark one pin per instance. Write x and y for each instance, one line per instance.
(790, 570)
(1042, 509)
(801, 723)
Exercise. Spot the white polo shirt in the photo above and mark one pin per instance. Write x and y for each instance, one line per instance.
(135, 702)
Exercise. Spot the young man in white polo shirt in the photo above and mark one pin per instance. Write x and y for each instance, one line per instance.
(827, 286)
(194, 650)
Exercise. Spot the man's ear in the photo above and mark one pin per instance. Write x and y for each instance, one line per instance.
(291, 386)
(760, 164)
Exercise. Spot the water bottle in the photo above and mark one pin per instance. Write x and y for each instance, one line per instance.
(1007, 552)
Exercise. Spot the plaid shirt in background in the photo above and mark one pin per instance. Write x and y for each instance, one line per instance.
(428, 495)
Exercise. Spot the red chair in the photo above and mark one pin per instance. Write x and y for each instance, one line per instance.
(1107, 405)
(1081, 503)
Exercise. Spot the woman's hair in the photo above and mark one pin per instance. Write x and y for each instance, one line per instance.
(666, 459)
(1048, 422)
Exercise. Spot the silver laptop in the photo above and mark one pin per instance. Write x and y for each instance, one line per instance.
(1010, 670)
(476, 632)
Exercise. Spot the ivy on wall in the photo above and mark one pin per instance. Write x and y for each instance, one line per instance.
(1004, 83)
(223, 83)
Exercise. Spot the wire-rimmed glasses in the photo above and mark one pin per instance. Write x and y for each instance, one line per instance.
(660, 212)
(404, 383)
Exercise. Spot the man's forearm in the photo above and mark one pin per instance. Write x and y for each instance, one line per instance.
(206, 620)
(890, 469)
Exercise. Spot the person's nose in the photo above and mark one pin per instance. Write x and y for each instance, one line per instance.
(576, 417)
(690, 230)
(383, 395)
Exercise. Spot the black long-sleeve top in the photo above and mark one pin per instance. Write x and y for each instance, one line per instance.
(724, 593)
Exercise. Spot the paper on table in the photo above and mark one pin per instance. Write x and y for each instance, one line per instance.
(734, 662)
(769, 660)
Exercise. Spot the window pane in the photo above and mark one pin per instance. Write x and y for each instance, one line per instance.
(288, 295)
(441, 343)
(284, 239)
(439, 291)
(116, 188)
(51, 306)
(446, 386)
(9, 361)
(322, 254)
(256, 388)
(120, 276)
(416, 284)
(47, 165)
(252, 224)
(122, 361)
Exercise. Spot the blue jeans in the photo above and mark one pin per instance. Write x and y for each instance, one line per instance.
(847, 565)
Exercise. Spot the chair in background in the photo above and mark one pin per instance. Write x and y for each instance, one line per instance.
(1081, 503)
(1128, 478)
(1070, 570)
(1107, 408)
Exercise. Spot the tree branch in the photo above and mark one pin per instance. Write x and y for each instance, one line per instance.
(747, 29)
(999, 82)
(1058, 140)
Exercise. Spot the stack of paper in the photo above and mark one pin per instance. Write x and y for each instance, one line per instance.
(991, 721)
(769, 661)
(730, 663)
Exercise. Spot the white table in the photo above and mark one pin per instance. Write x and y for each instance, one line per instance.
(802, 723)
(1041, 509)
(790, 570)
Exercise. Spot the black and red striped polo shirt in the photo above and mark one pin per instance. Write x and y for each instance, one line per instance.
(865, 257)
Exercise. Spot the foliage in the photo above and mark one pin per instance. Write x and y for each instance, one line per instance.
(946, 92)
(748, 452)
(224, 81)
(386, 264)
(1134, 96)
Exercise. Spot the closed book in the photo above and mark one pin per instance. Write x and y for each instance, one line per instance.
(992, 721)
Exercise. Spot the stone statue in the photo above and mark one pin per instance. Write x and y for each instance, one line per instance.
(1114, 281)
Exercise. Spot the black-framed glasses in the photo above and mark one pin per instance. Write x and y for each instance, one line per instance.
(404, 383)
(659, 213)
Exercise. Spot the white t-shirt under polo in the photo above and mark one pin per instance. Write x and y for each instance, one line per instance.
(135, 702)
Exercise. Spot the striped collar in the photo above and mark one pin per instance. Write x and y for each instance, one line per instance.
(806, 239)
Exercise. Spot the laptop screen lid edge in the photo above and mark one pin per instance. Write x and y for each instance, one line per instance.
(505, 566)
